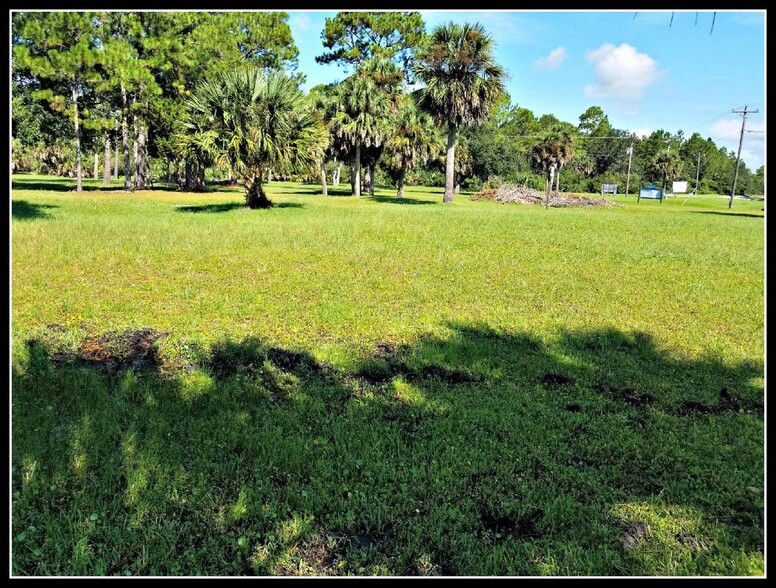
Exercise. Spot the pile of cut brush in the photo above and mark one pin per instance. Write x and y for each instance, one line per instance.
(508, 193)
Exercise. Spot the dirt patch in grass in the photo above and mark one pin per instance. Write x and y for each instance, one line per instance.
(372, 540)
(629, 395)
(727, 403)
(555, 380)
(500, 525)
(633, 535)
(690, 541)
(113, 349)
(380, 371)
(448, 375)
(386, 350)
(634, 398)
(317, 557)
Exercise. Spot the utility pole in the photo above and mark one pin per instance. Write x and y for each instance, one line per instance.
(743, 114)
(697, 174)
(630, 157)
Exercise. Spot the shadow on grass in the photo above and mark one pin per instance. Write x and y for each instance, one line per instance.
(59, 184)
(226, 207)
(746, 214)
(397, 200)
(23, 210)
(481, 453)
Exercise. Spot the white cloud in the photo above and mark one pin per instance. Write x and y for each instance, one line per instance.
(506, 27)
(731, 128)
(301, 21)
(727, 132)
(621, 72)
(641, 132)
(553, 60)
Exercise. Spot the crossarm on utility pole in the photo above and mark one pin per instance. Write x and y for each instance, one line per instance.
(743, 114)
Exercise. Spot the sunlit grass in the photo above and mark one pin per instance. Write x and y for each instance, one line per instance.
(375, 386)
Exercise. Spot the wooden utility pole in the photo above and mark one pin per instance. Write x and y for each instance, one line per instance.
(697, 173)
(743, 114)
(630, 157)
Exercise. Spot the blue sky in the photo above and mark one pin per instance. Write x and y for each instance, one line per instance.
(645, 74)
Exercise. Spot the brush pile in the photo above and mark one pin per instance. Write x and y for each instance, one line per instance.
(510, 193)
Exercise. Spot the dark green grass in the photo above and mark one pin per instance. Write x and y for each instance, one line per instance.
(369, 387)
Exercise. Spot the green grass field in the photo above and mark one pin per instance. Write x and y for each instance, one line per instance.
(379, 386)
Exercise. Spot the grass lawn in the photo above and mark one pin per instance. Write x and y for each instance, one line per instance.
(379, 386)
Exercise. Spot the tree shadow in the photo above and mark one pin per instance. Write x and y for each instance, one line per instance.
(479, 453)
(226, 207)
(746, 214)
(397, 200)
(23, 210)
(63, 184)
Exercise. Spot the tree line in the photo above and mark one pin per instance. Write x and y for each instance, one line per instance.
(185, 97)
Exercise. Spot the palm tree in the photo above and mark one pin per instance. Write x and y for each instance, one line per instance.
(554, 149)
(324, 105)
(565, 154)
(414, 140)
(360, 118)
(462, 82)
(249, 122)
(668, 165)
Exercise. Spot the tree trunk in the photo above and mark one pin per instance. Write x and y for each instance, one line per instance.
(269, 177)
(254, 194)
(139, 146)
(372, 179)
(187, 181)
(357, 172)
(549, 187)
(324, 187)
(367, 178)
(450, 164)
(134, 151)
(116, 162)
(125, 141)
(106, 163)
(457, 188)
(337, 173)
(400, 183)
(194, 177)
(78, 181)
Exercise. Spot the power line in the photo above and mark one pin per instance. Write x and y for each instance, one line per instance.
(575, 137)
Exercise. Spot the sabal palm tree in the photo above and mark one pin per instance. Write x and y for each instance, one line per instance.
(324, 103)
(414, 140)
(249, 121)
(360, 118)
(462, 82)
(566, 153)
(554, 149)
(668, 164)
